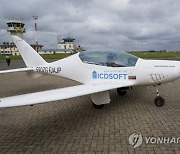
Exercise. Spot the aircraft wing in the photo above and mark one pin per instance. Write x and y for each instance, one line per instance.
(60, 94)
(16, 70)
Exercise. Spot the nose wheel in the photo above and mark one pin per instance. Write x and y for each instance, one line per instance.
(159, 101)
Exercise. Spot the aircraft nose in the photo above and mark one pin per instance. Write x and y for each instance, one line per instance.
(177, 69)
(178, 66)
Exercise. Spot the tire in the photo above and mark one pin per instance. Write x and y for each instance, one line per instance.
(121, 92)
(159, 101)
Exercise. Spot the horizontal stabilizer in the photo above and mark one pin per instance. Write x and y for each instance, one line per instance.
(16, 70)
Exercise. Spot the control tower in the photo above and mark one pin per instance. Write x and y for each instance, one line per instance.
(16, 27)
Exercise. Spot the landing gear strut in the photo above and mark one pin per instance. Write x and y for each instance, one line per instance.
(159, 101)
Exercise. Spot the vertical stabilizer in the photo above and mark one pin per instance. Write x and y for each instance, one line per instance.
(29, 55)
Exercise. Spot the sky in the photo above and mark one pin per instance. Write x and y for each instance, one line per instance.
(114, 24)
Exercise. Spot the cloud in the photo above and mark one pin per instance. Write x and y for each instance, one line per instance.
(117, 24)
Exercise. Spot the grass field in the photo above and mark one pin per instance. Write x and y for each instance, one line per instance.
(156, 54)
(138, 54)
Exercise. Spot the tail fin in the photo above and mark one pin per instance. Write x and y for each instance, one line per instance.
(29, 55)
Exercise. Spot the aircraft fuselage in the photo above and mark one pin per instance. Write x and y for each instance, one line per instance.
(145, 72)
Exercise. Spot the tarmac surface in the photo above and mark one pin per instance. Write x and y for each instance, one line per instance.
(75, 126)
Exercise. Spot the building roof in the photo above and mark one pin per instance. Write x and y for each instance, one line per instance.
(35, 45)
(15, 21)
(68, 39)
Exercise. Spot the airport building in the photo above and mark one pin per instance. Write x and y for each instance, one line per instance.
(68, 43)
(66, 46)
(10, 48)
(16, 27)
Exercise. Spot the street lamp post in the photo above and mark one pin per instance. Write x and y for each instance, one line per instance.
(35, 24)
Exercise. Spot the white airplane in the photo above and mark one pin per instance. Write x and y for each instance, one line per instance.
(98, 71)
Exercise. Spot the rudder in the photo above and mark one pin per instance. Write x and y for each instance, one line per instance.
(29, 55)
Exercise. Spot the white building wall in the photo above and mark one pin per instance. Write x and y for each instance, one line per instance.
(66, 46)
(9, 50)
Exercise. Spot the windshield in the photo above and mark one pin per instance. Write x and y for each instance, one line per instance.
(110, 58)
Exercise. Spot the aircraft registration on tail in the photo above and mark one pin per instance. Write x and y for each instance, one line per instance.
(98, 71)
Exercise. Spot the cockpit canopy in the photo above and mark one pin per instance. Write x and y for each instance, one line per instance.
(110, 58)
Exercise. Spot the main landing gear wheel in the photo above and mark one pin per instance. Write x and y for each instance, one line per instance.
(98, 106)
(121, 91)
(159, 101)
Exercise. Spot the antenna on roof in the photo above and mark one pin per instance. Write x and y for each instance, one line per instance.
(58, 37)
